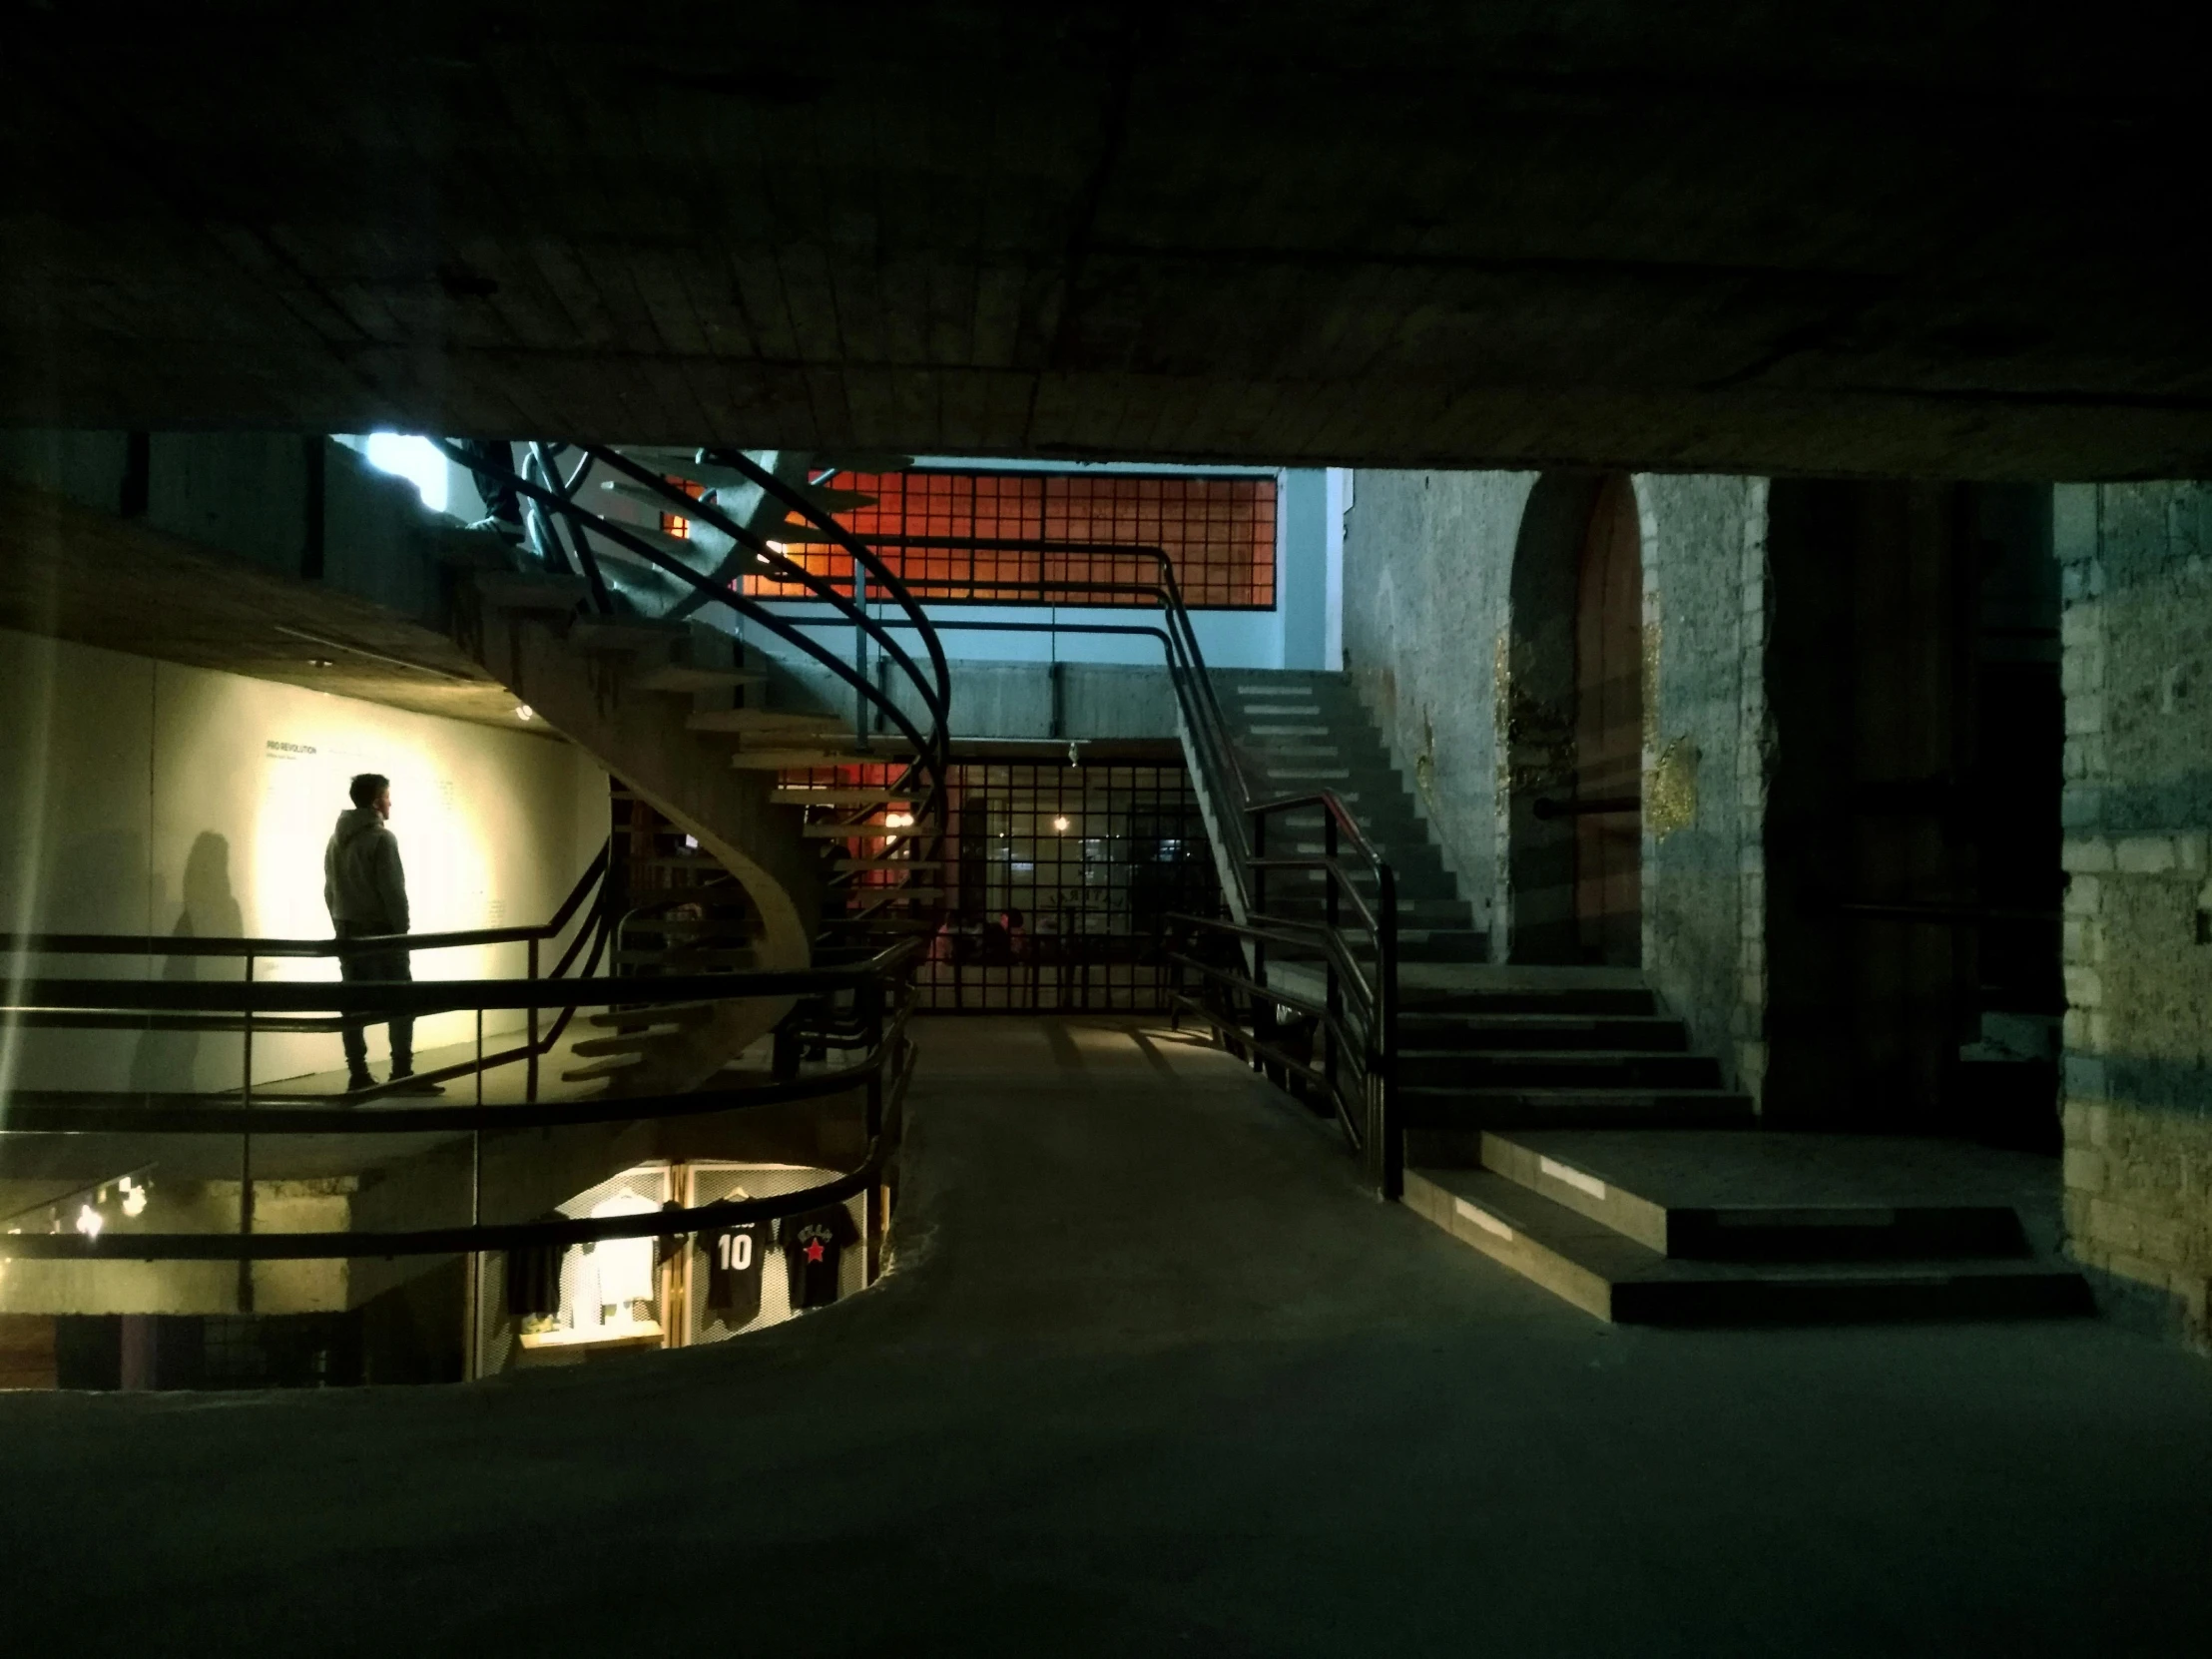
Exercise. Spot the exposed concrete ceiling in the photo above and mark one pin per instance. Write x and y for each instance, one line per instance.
(1782, 235)
(75, 574)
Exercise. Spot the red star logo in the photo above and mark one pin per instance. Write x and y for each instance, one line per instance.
(813, 1250)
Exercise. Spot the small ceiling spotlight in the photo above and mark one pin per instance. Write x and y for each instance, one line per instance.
(89, 1221)
(524, 713)
(898, 820)
(1060, 825)
(320, 662)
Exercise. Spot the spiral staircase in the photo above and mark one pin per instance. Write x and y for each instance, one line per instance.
(618, 635)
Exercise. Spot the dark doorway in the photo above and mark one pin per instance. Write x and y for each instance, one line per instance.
(1609, 732)
(1571, 716)
(1913, 857)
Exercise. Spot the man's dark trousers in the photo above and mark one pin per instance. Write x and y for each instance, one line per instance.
(375, 964)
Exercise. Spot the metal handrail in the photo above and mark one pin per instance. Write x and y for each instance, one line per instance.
(1247, 816)
(886, 1110)
(181, 944)
(433, 996)
(880, 1013)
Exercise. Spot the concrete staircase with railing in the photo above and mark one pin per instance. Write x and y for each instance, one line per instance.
(1302, 733)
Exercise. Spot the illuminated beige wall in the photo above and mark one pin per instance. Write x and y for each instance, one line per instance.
(141, 796)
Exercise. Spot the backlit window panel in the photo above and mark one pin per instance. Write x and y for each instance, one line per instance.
(1218, 532)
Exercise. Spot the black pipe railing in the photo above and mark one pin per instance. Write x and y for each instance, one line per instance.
(33, 1003)
(1357, 1015)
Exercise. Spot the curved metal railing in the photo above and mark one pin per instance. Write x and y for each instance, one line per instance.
(875, 1011)
(562, 532)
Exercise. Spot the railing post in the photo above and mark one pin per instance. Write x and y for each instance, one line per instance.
(475, 1365)
(530, 1066)
(870, 999)
(860, 654)
(1263, 1009)
(246, 1148)
(1387, 1157)
(1332, 999)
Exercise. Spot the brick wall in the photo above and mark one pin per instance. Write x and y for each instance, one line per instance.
(1706, 745)
(2136, 563)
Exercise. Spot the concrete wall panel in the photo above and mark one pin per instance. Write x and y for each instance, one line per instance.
(151, 797)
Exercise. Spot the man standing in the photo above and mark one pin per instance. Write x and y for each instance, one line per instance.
(366, 892)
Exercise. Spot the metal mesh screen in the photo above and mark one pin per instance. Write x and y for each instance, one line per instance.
(1219, 531)
(1058, 881)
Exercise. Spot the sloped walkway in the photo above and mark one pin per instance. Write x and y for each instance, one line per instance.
(1152, 1376)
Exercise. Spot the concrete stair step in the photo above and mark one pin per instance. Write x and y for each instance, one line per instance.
(1474, 1108)
(630, 634)
(635, 1042)
(1440, 945)
(1613, 1277)
(780, 723)
(1558, 1067)
(1772, 1196)
(793, 758)
(612, 1065)
(1585, 1001)
(1283, 898)
(680, 677)
(685, 1015)
(1642, 1033)
(516, 590)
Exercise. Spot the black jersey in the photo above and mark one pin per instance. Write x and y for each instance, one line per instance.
(814, 1245)
(734, 1257)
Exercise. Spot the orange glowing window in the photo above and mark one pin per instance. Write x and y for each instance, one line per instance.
(1218, 531)
(673, 524)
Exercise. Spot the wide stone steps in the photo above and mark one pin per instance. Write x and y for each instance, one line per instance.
(1443, 944)
(1472, 1109)
(1820, 1227)
(1604, 1272)
(1642, 1033)
(1558, 1068)
(1682, 1225)
(1508, 997)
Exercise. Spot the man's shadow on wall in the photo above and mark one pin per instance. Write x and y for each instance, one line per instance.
(166, 1061)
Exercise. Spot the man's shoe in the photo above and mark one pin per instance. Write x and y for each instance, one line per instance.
(408, 1083)
(358, 1081)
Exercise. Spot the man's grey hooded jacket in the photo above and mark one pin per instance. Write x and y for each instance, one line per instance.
(362, 882)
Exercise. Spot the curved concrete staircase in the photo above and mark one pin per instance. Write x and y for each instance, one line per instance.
(630, 692)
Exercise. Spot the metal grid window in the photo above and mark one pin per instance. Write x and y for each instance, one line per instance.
(1218, 531)
(1059, 881)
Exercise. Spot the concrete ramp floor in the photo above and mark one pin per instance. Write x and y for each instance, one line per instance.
(1151, 1375)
